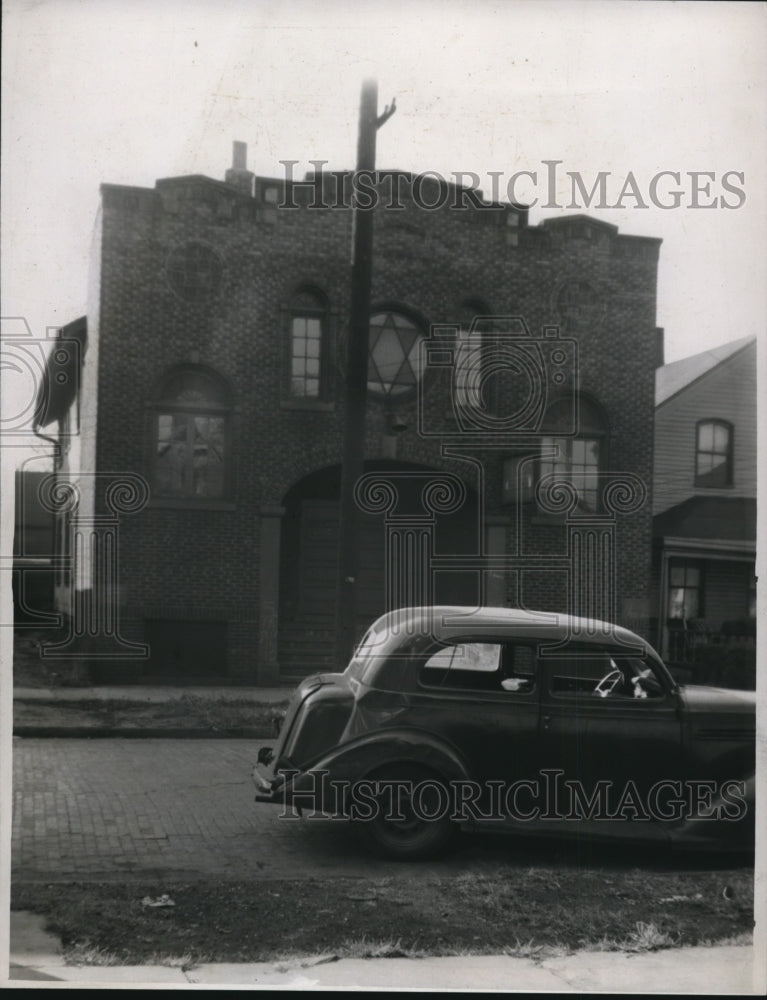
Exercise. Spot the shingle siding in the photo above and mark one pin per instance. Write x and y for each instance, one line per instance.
(726, 392)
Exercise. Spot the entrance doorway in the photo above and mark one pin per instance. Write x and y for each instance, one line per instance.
(308, 562)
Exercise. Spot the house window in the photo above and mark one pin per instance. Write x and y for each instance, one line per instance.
(685, 591)
(713, 456)
(308, 345)
(191, 436)
(578, 459)
(394, 362)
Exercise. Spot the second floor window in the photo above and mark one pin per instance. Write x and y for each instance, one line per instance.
(713, 455)
(308, 348)
(575, 459)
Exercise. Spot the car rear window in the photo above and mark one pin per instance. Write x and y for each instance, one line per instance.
(480, 666)
(469, 656)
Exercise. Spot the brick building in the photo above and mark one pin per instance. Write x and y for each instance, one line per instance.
(506, 359)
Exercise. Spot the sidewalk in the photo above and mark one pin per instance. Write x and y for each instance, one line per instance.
(723, 970)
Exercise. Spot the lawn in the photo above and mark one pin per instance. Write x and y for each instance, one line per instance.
(524, 910)
(200, 714)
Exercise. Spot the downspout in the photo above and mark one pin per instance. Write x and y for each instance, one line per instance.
(56, 444)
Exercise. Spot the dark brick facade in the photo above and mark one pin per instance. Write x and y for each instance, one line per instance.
(191, 561)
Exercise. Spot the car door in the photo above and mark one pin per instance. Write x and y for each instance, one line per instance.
(610, 732)
(482, 697)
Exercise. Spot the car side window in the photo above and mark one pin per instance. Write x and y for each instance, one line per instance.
(578, 674)
(602, 675)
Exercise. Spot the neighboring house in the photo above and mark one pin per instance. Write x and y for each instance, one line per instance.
(504, 359)
(41, 582)
(704, 523)
(33, 551)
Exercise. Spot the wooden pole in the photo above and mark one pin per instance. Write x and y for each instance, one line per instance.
(356, 381)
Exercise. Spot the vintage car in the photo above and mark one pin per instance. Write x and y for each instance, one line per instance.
(503, 719)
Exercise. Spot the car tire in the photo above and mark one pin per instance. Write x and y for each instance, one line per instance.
(424, 830)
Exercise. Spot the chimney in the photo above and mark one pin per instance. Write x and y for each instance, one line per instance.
(238, 174)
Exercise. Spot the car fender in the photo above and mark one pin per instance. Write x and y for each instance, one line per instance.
(731, 824)
(362, 757)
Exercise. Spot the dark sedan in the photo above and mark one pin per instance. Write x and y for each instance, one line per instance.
(502, 719)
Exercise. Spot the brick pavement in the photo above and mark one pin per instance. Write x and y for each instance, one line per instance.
(122, 808)
(111, 807)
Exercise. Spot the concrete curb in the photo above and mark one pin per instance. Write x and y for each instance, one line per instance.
(724, 970)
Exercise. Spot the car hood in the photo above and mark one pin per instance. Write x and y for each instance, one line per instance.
(699, 699)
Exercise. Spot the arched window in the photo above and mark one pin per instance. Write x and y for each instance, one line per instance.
(191, 439)
(576, 459)
(308, 366)
(713, 454)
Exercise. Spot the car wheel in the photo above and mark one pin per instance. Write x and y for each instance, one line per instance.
(412, 819)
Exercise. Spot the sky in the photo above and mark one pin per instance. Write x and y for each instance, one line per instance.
(128, 91)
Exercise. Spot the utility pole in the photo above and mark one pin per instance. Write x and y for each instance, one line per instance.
(356, 378)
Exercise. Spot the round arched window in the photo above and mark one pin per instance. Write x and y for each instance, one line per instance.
(194, 271)
(394, 362)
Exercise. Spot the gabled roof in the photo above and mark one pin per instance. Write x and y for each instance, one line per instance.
(672, 378)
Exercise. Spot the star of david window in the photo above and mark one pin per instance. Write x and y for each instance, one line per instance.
(394, 362)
